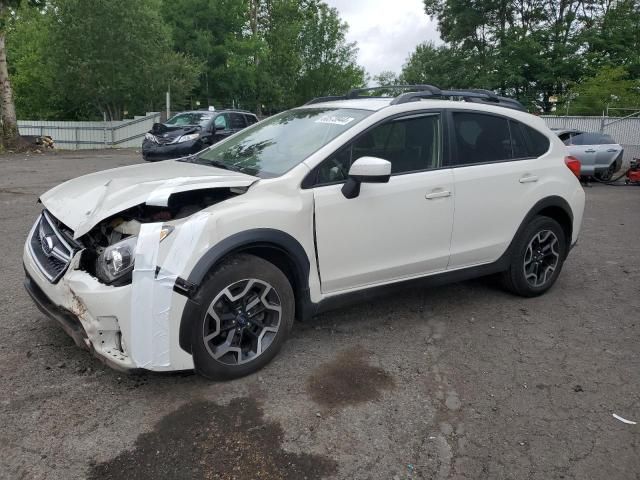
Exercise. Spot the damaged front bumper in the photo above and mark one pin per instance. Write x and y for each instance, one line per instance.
(88, 311)
(97, 316)
(153, 152)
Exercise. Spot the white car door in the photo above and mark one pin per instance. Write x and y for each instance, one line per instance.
(390, 231)
(495, 178)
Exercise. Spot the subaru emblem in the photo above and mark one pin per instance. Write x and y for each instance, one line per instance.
(47, 242)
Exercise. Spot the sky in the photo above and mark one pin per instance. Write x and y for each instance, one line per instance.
(387, 31)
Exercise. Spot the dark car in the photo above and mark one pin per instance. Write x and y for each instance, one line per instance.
(190, 132)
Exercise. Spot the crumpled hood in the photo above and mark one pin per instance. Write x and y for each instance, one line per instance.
(83, 202)
(167, 133)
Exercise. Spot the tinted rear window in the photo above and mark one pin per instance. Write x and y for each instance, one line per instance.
(591, 138)
(538, 144)
(481, 138)
(237, 120)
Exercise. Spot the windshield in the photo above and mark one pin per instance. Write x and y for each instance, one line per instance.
(190, 119)
(278, 144)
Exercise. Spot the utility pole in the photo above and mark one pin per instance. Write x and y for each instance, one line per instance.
(168, 101)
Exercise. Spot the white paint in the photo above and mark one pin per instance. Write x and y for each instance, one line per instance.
(406, 228)
(389, 232)
(624, 420)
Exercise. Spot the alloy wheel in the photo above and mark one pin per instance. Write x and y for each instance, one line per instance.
(541, 258)
(242, 321)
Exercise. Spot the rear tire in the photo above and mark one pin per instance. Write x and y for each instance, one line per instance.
(537, 257)
(607, 175)
(246, 312)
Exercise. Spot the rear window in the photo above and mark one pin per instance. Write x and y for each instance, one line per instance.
(237, 120)
(592, 138)
(484, 138)
(481, 138)
(537, 143)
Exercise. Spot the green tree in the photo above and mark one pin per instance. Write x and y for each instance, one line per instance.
(9, 134)
(612, 37)
(443, 66)
(527, 48)
(124, 62)
(213, 32)
(329, 64)
(30, 67)
(609, 87)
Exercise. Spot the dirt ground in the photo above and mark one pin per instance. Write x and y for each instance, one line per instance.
(462, 381)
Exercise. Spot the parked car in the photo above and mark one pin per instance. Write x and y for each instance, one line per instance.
(204, 262)
(599, 154)
(190, 132)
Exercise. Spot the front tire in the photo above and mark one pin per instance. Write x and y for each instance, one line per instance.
(246, 313)
(537, 257)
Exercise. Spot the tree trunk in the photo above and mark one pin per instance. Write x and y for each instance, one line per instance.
(10, 133)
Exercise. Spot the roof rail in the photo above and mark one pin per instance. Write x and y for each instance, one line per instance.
(355, 93)
(420, 92)
(326, 99)
(471, 95)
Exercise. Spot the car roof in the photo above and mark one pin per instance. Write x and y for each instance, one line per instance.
(376, 104)
(224, 110)
(372, 104)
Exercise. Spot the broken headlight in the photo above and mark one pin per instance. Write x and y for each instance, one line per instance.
(117, 260)
(186, 138)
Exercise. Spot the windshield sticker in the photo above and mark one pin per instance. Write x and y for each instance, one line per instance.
(333, 120)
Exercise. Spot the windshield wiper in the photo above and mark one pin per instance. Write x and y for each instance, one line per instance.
(219, 164)
(195, 158)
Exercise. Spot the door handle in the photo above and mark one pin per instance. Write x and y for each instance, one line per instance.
(438, 194)
(589, 151)
(612, 150)
(528, 179)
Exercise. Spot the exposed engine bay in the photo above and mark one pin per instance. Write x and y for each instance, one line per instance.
(117, 228)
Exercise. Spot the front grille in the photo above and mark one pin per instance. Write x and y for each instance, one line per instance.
(50, 247)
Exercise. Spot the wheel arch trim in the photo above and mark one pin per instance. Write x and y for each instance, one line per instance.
(238, 243)
(553, 201)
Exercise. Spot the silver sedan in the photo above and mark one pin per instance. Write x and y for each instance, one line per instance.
(599, 154)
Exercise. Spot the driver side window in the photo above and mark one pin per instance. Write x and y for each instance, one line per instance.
(411, 144)
(221, 121)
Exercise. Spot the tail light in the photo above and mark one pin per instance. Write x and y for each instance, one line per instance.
(573, 164)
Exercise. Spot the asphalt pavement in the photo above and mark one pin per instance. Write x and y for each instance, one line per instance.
(458, 382)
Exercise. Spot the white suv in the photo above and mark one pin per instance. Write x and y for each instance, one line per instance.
(204, 262)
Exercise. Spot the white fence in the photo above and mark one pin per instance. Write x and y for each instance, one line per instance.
(92, 135)
(624, 131)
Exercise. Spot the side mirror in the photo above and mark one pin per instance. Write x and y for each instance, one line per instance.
(366, 170)
(218, 127)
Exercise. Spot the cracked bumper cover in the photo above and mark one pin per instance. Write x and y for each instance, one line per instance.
(96, 316)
